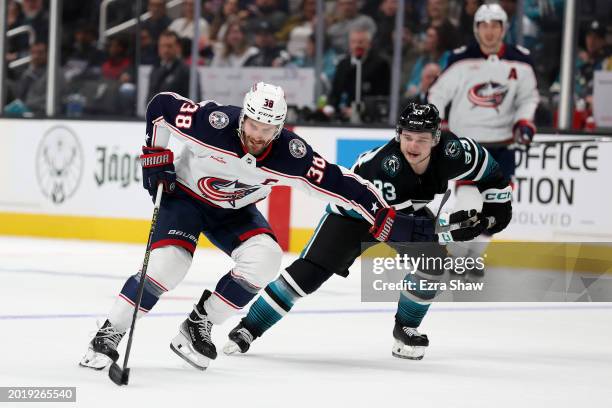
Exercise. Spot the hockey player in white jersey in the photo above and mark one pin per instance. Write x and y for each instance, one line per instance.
(231, 158)
(492, 91)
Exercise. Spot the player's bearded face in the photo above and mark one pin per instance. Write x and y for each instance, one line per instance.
(416, 146)
(490, 33)
(257, 136)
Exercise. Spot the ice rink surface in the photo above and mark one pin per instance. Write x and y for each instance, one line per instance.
(331, 350)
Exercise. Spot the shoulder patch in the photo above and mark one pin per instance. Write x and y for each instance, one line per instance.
(218, 119)
(297, 148)
(452, 149)
(391, 165)
(460, 49)
(523, 49)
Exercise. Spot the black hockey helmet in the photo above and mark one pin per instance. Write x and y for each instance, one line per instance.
(419, 118)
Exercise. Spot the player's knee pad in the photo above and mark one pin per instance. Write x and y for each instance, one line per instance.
(257, 260)
(305, 277)
(168, 266)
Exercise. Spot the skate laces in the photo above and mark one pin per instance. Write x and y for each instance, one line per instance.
(110, 335)
(410, 331)
(204, 325)
(245, 334)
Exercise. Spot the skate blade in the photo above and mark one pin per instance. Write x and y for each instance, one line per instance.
(95, 361)
(400, 350)
(182, 347)
(231, 348)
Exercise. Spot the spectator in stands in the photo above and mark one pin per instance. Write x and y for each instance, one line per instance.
(466, 21)
(430, 72)
(307, 60)
(118, 61)
(148, 52)
(184, 26)
(265, 11)
(298, 28)
(375, 73)
(84, 60)
(36, 16)
(437, 13)
(233, 51)
(159, 21)
(31, 88)
(346, 19)
(268, 53)
(171, 74)
(385, 23)
(14, 19)
(436, 49)
(229, 11)
(590, 58)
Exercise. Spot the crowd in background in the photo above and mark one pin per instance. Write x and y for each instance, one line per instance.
(101, 78)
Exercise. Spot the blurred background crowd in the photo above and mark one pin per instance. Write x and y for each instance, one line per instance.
(102, 45)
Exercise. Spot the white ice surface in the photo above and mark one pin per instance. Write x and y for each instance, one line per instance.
(331, 351)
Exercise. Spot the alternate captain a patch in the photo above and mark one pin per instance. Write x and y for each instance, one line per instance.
(391, 165)
(218, 120)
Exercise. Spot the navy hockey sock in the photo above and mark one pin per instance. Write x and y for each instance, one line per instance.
(275, 301)
(150, 295)
(235, 290)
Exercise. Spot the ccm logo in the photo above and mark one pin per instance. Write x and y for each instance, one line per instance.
(505, 196)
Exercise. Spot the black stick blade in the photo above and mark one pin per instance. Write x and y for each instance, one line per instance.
(117, 375)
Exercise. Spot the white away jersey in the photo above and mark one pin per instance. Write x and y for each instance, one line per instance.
(215, 168)
(488, 94)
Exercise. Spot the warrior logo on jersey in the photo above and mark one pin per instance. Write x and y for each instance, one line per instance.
(297, 148)
(59, 164)
(218, 120)
(452, 149)
(391, 165)
(488, 95)
(218, 189)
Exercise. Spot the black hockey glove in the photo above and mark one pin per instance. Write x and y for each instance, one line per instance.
(391, 225)
(469, 225)
(497, 208)
(157, 167)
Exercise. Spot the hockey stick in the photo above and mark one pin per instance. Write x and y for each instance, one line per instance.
(118, 375)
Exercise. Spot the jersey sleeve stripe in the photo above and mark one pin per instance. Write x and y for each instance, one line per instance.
(476, 157)
(483, 167)
(329, 193)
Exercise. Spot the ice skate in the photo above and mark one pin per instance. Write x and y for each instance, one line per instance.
(409, 343)
(193, 343)
(102, 349)
(240, 339)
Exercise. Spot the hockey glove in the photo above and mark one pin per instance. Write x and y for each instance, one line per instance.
(391, 225)
(462, 226)
(157, 167)
(497, 208)
(523, 132)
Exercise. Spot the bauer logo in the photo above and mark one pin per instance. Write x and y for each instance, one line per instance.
(59, 164)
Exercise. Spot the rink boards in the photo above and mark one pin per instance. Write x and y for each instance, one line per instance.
(81, 179)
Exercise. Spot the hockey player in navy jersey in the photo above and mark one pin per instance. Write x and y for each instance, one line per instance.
(231, 158)
(492, 91)
(415, 165)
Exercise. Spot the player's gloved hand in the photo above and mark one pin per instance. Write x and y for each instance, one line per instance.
(523, 132)
(497, 208)
(157, 167)
(474, 225)
(391, 225)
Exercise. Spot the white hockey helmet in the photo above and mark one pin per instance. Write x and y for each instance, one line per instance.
(265, 103)
(490, 12)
